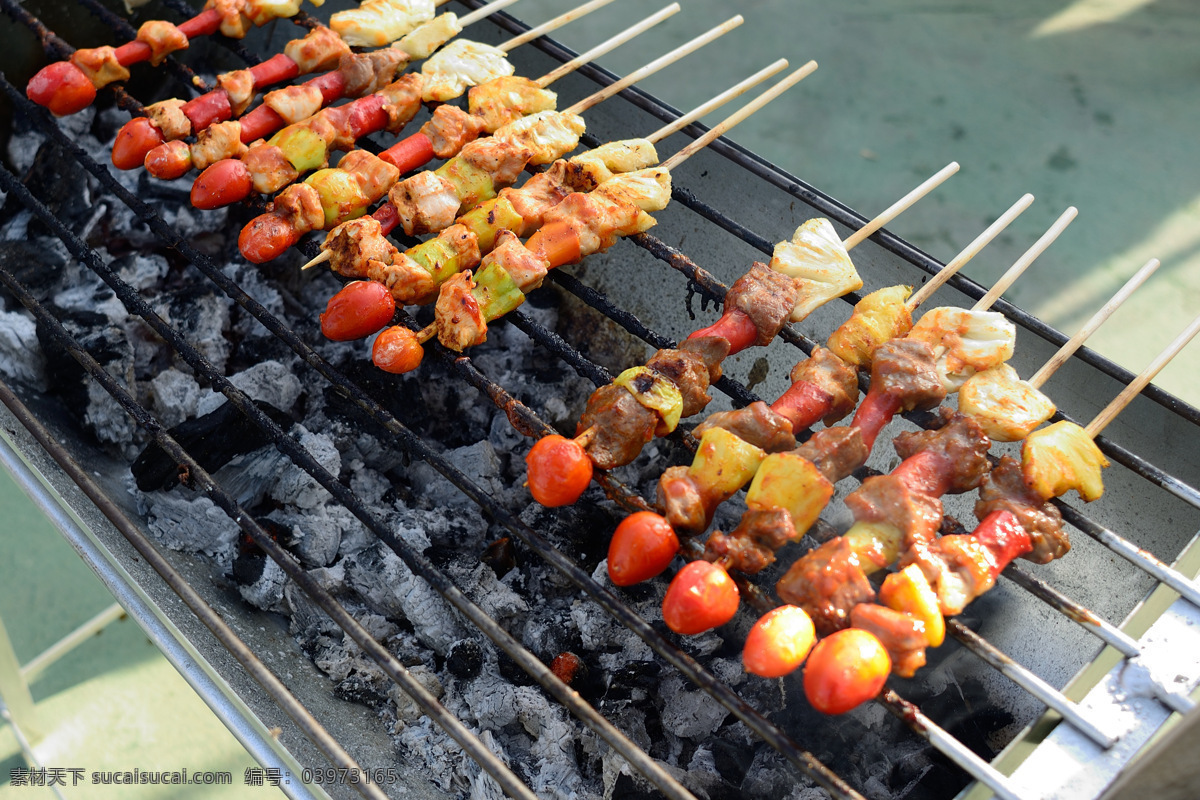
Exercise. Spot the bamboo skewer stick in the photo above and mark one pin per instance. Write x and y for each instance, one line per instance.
(1141, 381)
(1075, 342)
(1022, 263)
(970, 251)
(483, 12)
(552, 24)
(901, 205)
(609, 44)
(724, 97)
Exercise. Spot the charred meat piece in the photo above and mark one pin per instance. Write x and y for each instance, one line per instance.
(907, 370)
(827, 583)
(713, 349)
(960, 568)
(449, 129)
(836, 452)
(766, 296)
(688, 372)
(622, 425)
(756, 424)
(886, 498)
(751, 546)
(960, 447)
(539, 194)
(833, 376)
(903, 635)
(1004, 488)
(682, 501)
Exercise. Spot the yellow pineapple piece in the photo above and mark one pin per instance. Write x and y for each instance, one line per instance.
(878, 317)
(793, 483)
(909, 591)
(1061, 457)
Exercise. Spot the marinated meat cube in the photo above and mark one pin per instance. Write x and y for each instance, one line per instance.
(833, 376)
(549, 135)
(239, 88)
(591, 168)
(620, 423)
(163, 38)
(751, 546)
(539, 194)
(460, 321)
(836, 452)
(216, 142)
(525, 268)
(1004, 489)
(827, 583)
(713, 349)
(502, 159)
(902, 635)
(508, 99)
(100, 65)
(756, 424)
(319, 51)
(449, 129)
(295, 103)
(269, 168)
(168, 116)
(959, 568)
(425, 202)
(906, 370)
(408, 281)
(402, 100)
(683, 502)
(355, 244)
(596, 220)
(961, 448)
(688, 372)
(300, 206)
(885, 498)
(766, 296)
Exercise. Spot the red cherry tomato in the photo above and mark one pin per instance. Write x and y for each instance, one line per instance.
(222, 183)
(168, 161)
(641, 548)
(357, 311)
(266, 237)
(558, 471)
(61, 87)
(779, 642)
(844, 670)
(701, 597)
(134, 142)
(397, 350)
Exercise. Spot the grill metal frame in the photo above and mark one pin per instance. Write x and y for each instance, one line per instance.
(527, 422)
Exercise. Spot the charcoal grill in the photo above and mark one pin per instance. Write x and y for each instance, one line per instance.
(1045, 627)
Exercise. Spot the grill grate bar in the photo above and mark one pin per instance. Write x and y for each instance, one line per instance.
(308, 724)
(690, 669)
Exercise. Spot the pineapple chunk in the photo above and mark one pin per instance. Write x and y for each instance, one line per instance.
(594, 167)
(549, 134)
(461, 64)
(1061, 457)
(648, 189)
(876, 544)
(724, 463)
(793, 483)
(878, 317)
(507, 99)
(429, 36)
(818, 261)
(376, 23)
(965, 341)
(655, 392)
(1008, 408)
(909, 591)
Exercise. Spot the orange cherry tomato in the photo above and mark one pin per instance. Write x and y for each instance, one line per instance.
(168, 161)
(266, 237)
(134, 142)
(779, 642)
(641, 548)
(558, 471)
(61, 87)
(357, 311)
(701, 597)
(845, 669)
(396, 350)
(222, 183)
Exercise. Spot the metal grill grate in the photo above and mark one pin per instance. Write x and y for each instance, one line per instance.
(528, 423)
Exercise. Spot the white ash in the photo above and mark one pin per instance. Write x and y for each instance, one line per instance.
(295, 486)
(689, 713)
(266, 592)
(21, 358)
(315, 534)
(107, 418)
(407, 709)
(478, 462)
(174, 395)
(269, 381)
(192, 524)
(17, 229)
(202, 318)
(307, 620)
(603, 634)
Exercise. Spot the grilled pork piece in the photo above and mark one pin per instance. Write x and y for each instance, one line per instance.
(887, 499)
(958, 450)
(903, 635)
(906, 370)
(621, 425)
(756, 424)
(1004, 489)
(827, 583)
(836, 452)
(751, 546)
(767, 297)
(829, 373)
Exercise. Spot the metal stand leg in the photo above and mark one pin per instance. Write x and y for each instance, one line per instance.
(14, 690)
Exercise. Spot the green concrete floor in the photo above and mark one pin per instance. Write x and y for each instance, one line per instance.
(1091, 103)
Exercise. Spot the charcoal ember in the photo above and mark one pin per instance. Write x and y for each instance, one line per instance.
(390, 588)
(174, 396)
(267, 591)
(20, 356)
(192, 525)
(315, 534)
(294, 485)
(582, 531)
(212, 440)
(407, 709)
(57, 180)
(202, 317)
(478, 462)
(464, 659)
(307, 619)
(730, 759)
(38, 266)
(270, 382)
(690, 714)
(501, 556)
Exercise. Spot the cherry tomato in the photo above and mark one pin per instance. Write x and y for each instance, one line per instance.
(134, 142)
(61, 87)
(641, 548)
(845, 669)
(222, 183)
(559, 470)
(357, 311)
(779, 642)
(701, 597)
(266, 237)
(396, 350)
(168, 161)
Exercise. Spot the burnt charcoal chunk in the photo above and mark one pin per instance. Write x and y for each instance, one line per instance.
(212, 440)
(35, 267)
(248, 567)
(501, 556)
(629, 788)
(732, 759)
(464, 659)
(357, 689)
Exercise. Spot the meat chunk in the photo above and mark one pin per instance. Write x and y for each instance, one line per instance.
(1004, 489)
(503, 160)
(967, 341)
(239, 88)
(319, 51)
(959, 567)
(902, 635)
(234, 23)
(621, 425)
(827, 583)
(833, 376)
(756, 424)
(460, 321)
(408, 281)
(300, 205)
(836, 452)
(449, 129)
(168, 117)
(539, 194)
(374, 175)
(366, 73)
(886, 498)
(713, 349)
(355, 244)
(549, 135)
(377, 23)
(295, 103)
(906, 370)
(525, 268)
(216, 142)
(683, 502)
(402, 100)
(100, 65)
(960, 447)
(751, 546)
(596, 220)
(163, 38)
(427, 37)
(425, 202)
(688, 372)
(269, 168)
(591, 168)
(766, 296)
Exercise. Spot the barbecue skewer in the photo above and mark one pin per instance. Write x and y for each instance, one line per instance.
(148, 140)
(271, 242)
(67, 87)
(302, 146)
